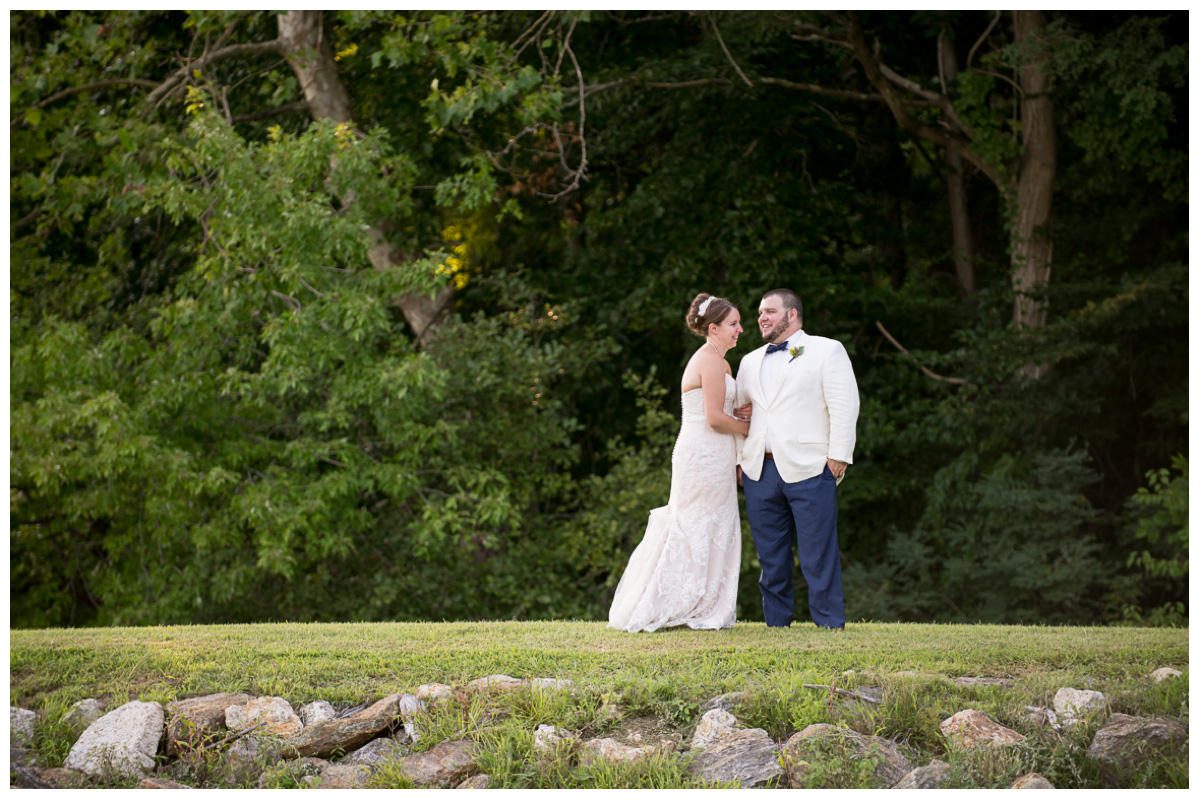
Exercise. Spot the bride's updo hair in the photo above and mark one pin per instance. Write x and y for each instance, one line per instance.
(715, 312)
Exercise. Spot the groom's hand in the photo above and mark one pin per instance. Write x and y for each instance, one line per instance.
(739, 473)
(838, 468)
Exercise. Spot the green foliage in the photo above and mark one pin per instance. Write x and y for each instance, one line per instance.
(219, 412)
(1167, 496)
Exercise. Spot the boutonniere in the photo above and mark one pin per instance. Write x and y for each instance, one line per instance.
(795, 352)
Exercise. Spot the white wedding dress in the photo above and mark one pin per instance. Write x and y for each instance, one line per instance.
(685, 571)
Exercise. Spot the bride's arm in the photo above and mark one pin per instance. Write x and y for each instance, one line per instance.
(712, 381)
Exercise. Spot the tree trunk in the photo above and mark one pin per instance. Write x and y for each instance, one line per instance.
(311, 58)
(960, 221)
(1033, 247)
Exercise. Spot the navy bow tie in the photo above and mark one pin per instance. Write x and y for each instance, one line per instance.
(774, 348)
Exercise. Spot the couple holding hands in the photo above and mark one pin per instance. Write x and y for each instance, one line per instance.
(784, 431)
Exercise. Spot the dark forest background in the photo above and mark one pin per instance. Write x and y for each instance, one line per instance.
(379, 315)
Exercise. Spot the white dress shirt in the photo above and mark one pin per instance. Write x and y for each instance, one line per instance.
(770, 375)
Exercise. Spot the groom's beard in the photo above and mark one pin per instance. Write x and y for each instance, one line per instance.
(773, 336)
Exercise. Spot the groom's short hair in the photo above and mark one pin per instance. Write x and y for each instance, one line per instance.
(789, 300)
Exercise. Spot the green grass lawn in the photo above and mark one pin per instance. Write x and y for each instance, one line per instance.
(658, 680)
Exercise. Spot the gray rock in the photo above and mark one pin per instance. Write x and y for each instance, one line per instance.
(197, 718)
(1003, 683)
(476, 782)
(747, 757)
(292, 771)
(20, 722)
(1033, 780)
(1163, 673)
(1077, 704)
(1127, 742)
(342, 776)
(277, 714)
(445, 764)
(725, 702)
(316, 711)
(124, 740)
(345, 733)
(821, 743)
(712, 726)
(410, 709)
(58, 778)
(83, 713)
(161, 783)
(1042, 717)
(595, 751)
(931, 776)
(249, 756)
(970, 728)
(376, 752)
(547, 738)
(434, 692)
(496, 683)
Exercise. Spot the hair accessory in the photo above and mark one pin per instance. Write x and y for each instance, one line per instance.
(704, 306)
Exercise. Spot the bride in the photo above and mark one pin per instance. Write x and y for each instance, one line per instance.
(685, 571)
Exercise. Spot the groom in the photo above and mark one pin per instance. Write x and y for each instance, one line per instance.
(805, 404)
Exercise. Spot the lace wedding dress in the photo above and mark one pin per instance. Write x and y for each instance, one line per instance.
(685, 571)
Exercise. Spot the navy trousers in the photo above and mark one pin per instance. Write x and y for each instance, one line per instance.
(807, 511)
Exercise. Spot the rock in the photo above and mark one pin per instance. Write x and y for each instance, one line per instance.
(970, 728)
(83, 713)
(749, 757)
(551, 683)
(341, 776)
(712, 726)
(1032, 781)
(596, 751)
(1163, 673)
(476, 782)
(276, 712)
(1003, 683)
(1126, 742)
(434, 692)
(292, 771)
(316, 711)
(1042, 717)
(931, 776)
(161, 783)
(249, 756)
(20, 722)
(197, 718)
(1075, 704)
(410, 707)
(547, 738)
(124, 740)
(443, 765)
(346, 733)
(58, 778)
(725, 702)
(375, 752)
(494, 683)
(820, 742)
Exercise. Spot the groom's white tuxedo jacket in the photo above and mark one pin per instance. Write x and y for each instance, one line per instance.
(809, 417)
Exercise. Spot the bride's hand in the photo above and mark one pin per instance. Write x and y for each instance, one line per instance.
(743, 412)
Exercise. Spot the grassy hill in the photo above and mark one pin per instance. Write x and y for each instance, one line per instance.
(657, 681)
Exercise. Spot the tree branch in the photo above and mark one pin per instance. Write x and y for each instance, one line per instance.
(907, 121)
(728, 55)
(85, 88)
(924, 369)
(232, 51)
